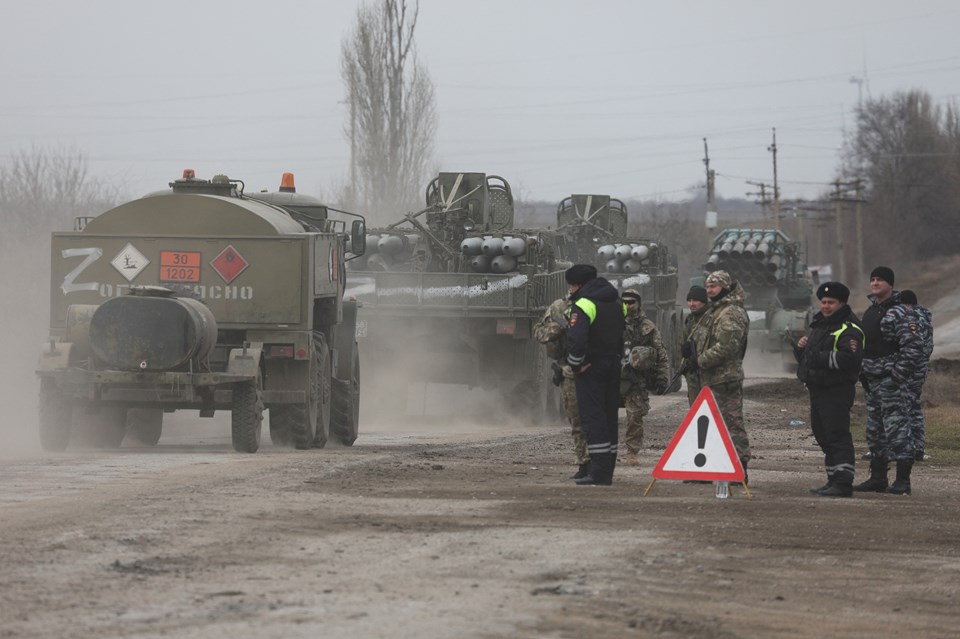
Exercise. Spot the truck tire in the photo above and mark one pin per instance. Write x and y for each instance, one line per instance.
(324, 378)
(345, 424)
(246, 415)
(280, 426)
(55, 418)
(109, 425)
(303, 419)
(145, 425)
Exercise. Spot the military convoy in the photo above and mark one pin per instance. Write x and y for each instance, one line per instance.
(203, 297)
(450, 295)
(771, 270)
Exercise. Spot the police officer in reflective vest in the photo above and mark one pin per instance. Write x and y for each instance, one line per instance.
(829, 359)
(594, 347)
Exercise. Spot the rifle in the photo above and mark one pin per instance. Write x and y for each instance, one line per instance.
(685, 368)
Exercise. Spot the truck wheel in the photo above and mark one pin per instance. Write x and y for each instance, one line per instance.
(55, 418)
(145, 425)
(324, 379)
(109, 426)
(280, 426)
(246, 415)
(345, 423)
(302, 418)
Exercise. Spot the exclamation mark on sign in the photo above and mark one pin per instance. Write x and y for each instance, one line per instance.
(702, 424)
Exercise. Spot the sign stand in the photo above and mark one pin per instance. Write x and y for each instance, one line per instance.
(701, 449)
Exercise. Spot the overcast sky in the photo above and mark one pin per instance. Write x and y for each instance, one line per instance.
(558, 97)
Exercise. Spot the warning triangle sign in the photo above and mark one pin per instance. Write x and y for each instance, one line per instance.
(701, 448)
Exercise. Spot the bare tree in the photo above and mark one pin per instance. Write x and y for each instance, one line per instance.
(392, 113)
(43, 190)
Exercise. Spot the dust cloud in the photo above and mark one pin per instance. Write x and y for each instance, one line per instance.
(24, 319)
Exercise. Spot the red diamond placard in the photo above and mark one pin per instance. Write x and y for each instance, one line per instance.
(228, 264)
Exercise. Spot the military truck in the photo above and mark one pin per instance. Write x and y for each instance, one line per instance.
(450, 295)
(202, 297)
(777, 289)
(594, 231)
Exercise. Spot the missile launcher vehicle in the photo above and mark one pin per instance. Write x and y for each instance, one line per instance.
(202, 297)
(778, 291)
(450, 294)
(594, 231)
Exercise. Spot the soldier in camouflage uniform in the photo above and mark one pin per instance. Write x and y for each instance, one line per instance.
(892, 354)
(551, 332)
(645, 368)
(924, 319)
(720, 348)
(698, 303)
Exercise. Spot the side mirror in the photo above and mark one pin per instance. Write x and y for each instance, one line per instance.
(358, 237)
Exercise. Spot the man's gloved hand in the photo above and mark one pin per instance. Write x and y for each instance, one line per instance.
(557, 374)
(686, 349)
(661, 388)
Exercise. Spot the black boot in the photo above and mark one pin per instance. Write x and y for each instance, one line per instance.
(877, 482)
(839, 488)
(901, 485)
(820, 489)
(601, 471)
(582, 471)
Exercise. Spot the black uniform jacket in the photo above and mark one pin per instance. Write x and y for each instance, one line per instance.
(833, 352)
(600, 335)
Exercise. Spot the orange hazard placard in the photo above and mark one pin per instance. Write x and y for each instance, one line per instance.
(179, 266)
(701, 448)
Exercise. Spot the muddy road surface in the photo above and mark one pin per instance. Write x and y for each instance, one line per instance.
(432, 526)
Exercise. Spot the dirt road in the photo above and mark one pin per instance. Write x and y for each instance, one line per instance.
(440, 529)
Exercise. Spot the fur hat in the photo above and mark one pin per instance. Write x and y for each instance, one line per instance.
(580, 274)
(885, 273)
(721, 279)
(834, 290)
(698, 293)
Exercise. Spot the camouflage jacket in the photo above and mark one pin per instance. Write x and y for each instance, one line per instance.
(551, 331)
(694, 325)
(925, 326)
(722, 339)
(900, 330)
(640, 331)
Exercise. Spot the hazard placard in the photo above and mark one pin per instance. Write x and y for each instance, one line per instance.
(701, 448)
(179, 266)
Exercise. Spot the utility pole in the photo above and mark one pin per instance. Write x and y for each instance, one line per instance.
(711, 217)
(858, 189)
(776, 188)
(764, 202)
(837, 197)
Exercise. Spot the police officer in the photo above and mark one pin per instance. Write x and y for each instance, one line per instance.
(720, 348)
(924, 319)
(551, 331)
(594, 347)
(645, 368)
(693, 324)
(892, 353)
(829, 359)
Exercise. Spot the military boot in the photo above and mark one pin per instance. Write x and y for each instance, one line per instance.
(631, 459)
(838, 488)
(601, 470)
(901, 485)
(582, 471)
(819, 489)
(877, 482)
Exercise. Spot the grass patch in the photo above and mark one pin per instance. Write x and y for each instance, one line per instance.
(943, 434)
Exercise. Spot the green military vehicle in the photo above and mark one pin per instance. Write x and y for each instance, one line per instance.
(594, 231)
(202, 297)
(777, 289)
(450, 295)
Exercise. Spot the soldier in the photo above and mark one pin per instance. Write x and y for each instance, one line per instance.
(720, 348)
(551, 331)
(924, 320)
(645, 367)
(829, 365)
(594, 348)
(698, 303)
(892, 353)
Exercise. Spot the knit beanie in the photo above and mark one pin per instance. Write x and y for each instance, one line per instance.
(885, 273)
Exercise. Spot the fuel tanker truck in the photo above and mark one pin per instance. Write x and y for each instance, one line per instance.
(450, 294)
(777, 289)
(202, 297)
(594, 231)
